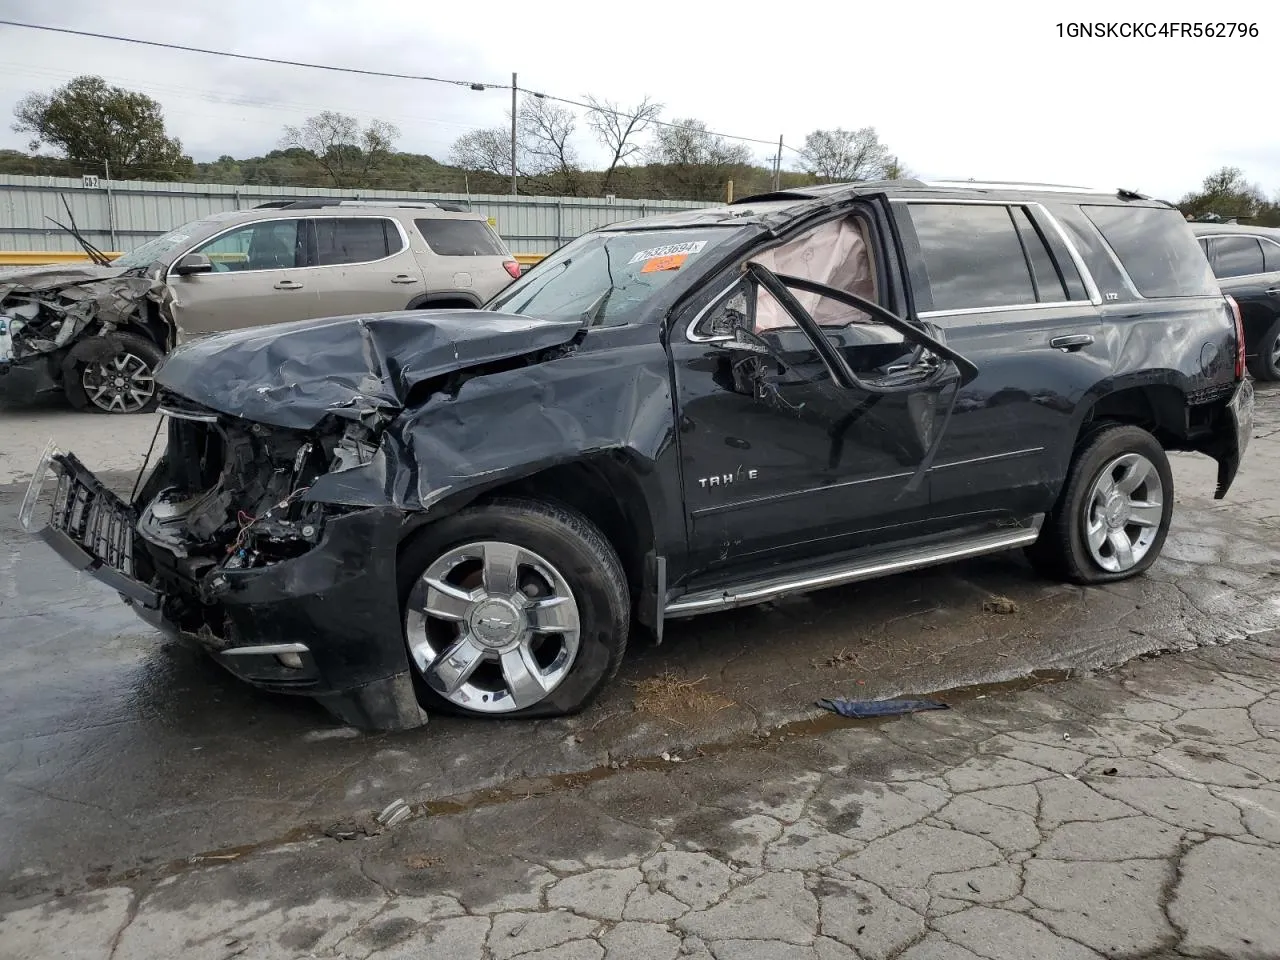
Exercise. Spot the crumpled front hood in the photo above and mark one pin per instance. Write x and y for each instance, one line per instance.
(294, 374)
(52, 276)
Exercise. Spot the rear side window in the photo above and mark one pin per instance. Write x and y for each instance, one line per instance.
(343, 240)
(460, 238)
(1235, 256)
(1270, 256)
(986, 255)
(1050, 285)
(1156, 248)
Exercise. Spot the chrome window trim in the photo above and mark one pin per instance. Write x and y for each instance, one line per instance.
(404, 243)
(1251, 236)
(962, 311)
(1090, 286)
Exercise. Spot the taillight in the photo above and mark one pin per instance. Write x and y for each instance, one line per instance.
(513, 268)
(1235, 312)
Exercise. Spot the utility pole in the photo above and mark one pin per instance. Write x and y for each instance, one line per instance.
(111, 205)
(777, 167)
(513, 134)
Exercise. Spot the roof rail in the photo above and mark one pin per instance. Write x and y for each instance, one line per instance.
(1011, 185)
(322, 203)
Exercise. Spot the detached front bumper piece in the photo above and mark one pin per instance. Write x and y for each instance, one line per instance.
(88, 525)
(324, 624)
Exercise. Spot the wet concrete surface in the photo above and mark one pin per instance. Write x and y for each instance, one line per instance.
(124, 756)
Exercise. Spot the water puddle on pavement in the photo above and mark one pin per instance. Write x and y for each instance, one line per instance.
(528, 788)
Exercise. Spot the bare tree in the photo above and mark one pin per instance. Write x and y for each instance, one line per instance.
(487, 150)
(349, 155)
(697, 161)
(543, 146)
(618, 130)
(545, 154)
(845, 154)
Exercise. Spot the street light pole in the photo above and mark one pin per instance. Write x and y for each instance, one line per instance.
(513, 134)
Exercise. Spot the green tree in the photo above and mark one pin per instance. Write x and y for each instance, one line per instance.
(350, 156)
(1224, 193)
(92, 123)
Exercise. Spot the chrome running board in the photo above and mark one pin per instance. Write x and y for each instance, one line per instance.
(868, 568)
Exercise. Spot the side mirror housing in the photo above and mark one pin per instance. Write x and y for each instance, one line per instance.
(193, 263)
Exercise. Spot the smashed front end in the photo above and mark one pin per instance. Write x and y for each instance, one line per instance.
(53, 318)
(220, 547)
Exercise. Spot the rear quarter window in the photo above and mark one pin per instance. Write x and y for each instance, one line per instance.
(1156, 248)
(460, 238)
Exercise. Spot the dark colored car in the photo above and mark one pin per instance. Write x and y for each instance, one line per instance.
(673, 416)
(1246, 261)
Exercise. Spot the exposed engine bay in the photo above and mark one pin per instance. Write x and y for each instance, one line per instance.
(47, 310)
(229, 495)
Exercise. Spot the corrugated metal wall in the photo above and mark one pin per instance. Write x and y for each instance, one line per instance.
(119, 215)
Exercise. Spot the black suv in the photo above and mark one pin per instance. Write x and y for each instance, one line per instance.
(667, 417)
(1246, 261)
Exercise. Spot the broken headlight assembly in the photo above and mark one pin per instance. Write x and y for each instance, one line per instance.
(231, 496)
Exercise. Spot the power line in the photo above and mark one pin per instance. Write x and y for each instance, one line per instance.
(245, 56)
(467, 84)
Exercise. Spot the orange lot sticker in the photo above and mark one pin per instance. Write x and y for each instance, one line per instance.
(654, 264)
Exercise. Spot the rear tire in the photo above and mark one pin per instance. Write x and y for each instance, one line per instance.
(1113, 515)
(1266, 365)
(512, 609)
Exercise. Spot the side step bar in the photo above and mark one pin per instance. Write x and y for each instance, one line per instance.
(867, 568)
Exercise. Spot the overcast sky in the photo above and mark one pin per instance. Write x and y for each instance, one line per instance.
(960, 90)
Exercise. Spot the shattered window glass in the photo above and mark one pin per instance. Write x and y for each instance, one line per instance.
(164, 247)
(607, 278)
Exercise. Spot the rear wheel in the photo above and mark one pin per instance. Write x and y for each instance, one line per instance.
(1114, 513)
(514, 608)
(1266, 364)
(123, 380)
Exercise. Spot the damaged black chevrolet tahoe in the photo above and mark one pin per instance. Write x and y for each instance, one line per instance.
(673, 416)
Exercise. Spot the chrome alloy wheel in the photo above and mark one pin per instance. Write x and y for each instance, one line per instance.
(493, 627)
(123, 383)
(1123, 512)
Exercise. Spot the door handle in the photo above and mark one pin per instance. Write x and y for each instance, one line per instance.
(404, 278)
(288, 285)
(1273, 291)
(1072, 342)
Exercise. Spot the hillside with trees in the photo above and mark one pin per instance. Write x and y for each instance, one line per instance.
(90, 127)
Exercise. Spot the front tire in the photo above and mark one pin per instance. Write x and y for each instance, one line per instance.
(121, 380)
(1113, 516)
(512, 609)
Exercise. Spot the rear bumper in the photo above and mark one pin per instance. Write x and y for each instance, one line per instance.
(1234, 439)
(325, 624)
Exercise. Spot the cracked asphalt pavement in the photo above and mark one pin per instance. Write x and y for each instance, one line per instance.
(1105, 784)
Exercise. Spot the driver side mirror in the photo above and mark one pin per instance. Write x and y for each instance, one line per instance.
(193, 263)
